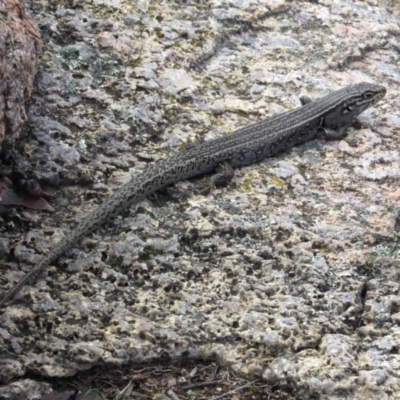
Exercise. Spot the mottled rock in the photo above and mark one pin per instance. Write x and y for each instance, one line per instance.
(289, 273)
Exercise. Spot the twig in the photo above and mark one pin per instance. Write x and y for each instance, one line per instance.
(235, 390)
(200, 385)
(172, 394)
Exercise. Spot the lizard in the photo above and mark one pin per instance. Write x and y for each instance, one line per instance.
(328, 117)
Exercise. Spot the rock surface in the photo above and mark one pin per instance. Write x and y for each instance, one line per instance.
(291, 273)
(20, 47)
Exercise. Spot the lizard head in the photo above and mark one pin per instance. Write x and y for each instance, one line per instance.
(352, 101)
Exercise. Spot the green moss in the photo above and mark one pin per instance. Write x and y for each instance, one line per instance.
(26, 130)
(372, 267)
(215, 121)
(112, 262)
(100, 68)
(184, 146)
(248, 181)
(148, 253)
(370, 270)
(133, 63)
(159, 33)
(230, 85)
(279, 183)
(254, 389)
(152, 8)
(52, 291)
(70, 58)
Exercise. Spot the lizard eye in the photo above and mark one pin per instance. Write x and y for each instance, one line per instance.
(368, 95)
(350, 108)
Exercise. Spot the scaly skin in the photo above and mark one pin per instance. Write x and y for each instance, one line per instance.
(332, 114)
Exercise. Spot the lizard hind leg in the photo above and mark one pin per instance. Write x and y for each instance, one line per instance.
(223, 175)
